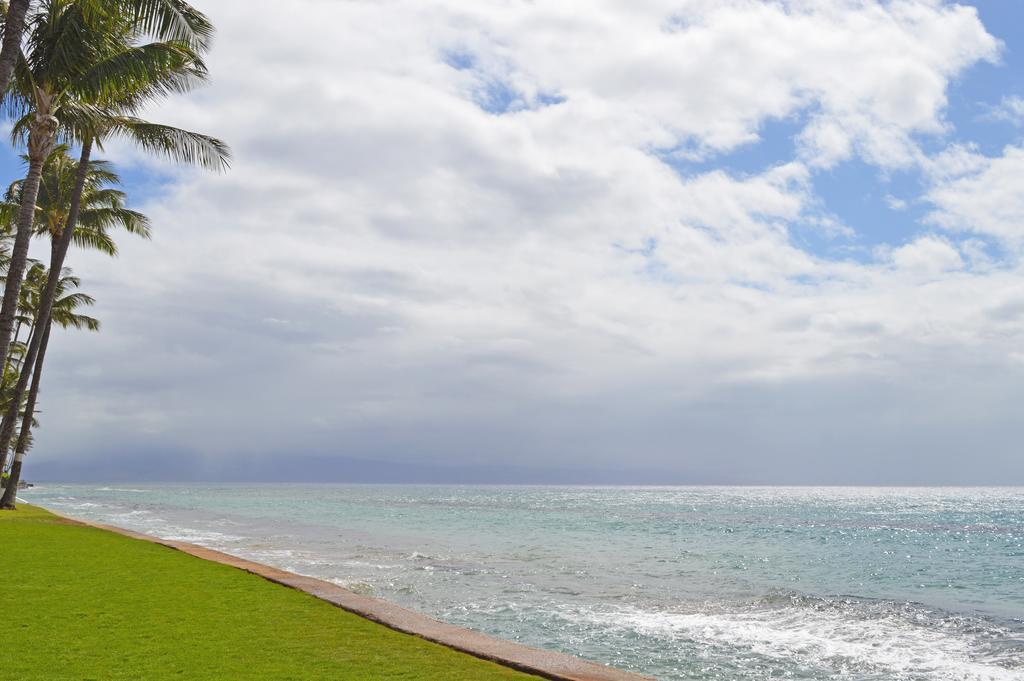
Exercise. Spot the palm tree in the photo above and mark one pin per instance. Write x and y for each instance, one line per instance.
(28, 307)
(63, 307)
(109, 87)
(64, 314)
(72, 53)
(103, 206)
(102, 209)
(28, 302)
(171, 19)
(83, 57)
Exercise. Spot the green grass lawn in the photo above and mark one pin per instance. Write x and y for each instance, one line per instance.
(86, 604)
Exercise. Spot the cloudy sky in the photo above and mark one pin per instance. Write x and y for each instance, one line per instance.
(686, 241)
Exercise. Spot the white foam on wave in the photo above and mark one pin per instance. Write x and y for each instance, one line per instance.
(891, 646)
(369, 565)
(191, 535)
(145, 521)
(137, 513)
(84, 505)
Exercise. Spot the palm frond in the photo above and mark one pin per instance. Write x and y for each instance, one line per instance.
(175, 144)
(138, 74)
(73, 301)
(171, 20)
(8, 214)
(129, 220)
(96, 240)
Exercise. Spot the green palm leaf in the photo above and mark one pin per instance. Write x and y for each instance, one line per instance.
(178, 145)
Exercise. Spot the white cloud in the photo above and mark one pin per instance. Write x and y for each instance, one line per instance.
(895, 203)
(387, 262)
(1010, 109)
(984, 196)
(929, 255)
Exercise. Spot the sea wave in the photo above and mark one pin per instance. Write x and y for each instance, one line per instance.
(845, 637)
(657, 580)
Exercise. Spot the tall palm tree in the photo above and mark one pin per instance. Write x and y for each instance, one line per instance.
(64, 314)
(102, 209)
(28, 306)
(110, 86)
(81, 57)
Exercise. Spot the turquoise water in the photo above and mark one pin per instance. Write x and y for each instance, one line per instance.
(702, 583)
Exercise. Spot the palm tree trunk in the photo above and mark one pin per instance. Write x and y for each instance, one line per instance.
(9, 417)
(40, 143)
(11, 492)
(45, 306)
(14, 27)
(14, 341)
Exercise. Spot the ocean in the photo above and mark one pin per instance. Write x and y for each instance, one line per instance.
(694, 583)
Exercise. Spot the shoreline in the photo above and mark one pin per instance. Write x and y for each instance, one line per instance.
(543, 663)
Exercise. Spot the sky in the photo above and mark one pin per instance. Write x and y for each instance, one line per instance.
(685, 242)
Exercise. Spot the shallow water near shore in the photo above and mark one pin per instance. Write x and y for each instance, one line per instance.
(865, 584)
